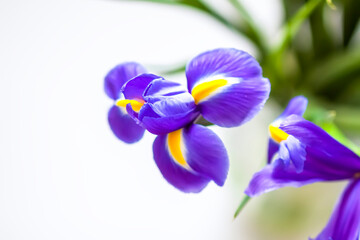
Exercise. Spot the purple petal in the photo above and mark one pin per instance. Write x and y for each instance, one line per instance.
(189, 158)
(206, 154)
(135, 88)
(273, 148)
(344, 223)
(324, 148)
(326, 160)
(296, 105)
(293, 151)
(168, 107)
(123, 126)
(176, 175)
(237, 103)
(224, 62)
(119, 75)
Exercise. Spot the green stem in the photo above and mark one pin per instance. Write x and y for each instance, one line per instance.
(293, 25)
(242, 204)
(275, 60)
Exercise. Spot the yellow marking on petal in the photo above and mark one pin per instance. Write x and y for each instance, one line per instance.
(277, 134)
(135, 104)
(203, 90)
(174, 143)
(357, 175)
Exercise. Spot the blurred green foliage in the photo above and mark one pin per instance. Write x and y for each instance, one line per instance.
(317, 56)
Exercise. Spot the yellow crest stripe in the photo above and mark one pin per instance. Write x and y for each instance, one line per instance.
(203, 90)
(277, 134)
(174, 144)
(135, 105)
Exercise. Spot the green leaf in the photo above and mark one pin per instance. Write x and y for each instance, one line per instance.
(334, 74)
(293, 25)
(351, 17)
(322, 43)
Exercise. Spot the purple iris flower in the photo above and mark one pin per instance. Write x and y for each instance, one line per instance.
(225, 86)
(303, 153)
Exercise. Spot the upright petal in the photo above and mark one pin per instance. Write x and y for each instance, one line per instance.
(221, 63)
(189, 158)
(135, 88)
(227, 86)
(326, 160)
(123, 126)
(119, 75)
(297, 106)
(168, 107)
(344, 223)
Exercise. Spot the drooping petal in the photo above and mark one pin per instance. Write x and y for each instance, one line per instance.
(135, 88)
(326, 160)
(119, 75)
(344, 223)
(123, 126)
(168, 107)
(191, 157)
(227, 86)
(325, 148)
(206, 153)
(175, 173)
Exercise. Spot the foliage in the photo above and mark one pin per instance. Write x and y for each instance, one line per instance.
(324, 67)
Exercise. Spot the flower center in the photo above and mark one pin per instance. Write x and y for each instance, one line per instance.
(205, 89)
(135, 104)
(277, 134)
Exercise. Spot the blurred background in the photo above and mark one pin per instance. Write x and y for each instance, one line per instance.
(64, 175)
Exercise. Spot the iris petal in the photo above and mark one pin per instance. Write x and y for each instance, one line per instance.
(175, 174)
(190, 157)
(119, 75)
(225, 62)
(237, 103)
(297, 106)
(324, 147)
(134, 89)
(344, 223)
(227, 85)
(168, 107)
(273, 148)
(326, 160)
(123, 126)
(293, 151)
(206, 153)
